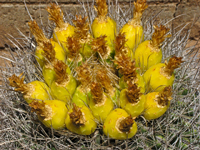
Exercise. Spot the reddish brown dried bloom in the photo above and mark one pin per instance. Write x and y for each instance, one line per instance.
(37, 32)
(56, 15)
(140, 6)
(127, 68)
(133, 93)
(99, 45)
(18, 82)
(159, 36)
(84, 74)
(120, 44)
(102, 78)
(73, 45)
(126, 124)
(173, 63)
(44, 111)
(60, 69)
(82, 27)
(37, 107)
(165, 96)
(49, 52)
(97, 92)
(76, 116)
(102, 8)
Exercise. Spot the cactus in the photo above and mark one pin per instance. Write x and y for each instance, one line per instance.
(176, 128)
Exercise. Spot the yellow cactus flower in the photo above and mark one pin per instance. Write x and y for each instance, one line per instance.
(59, 52)
(119, 125)
(148, 52)
(41, 39)
(80, 121)
(104, 25)
(161, 75)
(63, 30)
(64, 85)
(157, 103)
(100, 104)
(35, 90)
(133, 29)
(84, 76)
(132, 100)
(52, 113)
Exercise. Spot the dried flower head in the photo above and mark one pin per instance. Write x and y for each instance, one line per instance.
(126, 124)
(165, 96)
(60, 69)
(73, 45)
(102, 8)
(18, 83)
(103, 78)
(159, 36)
(82, 27)
(97, 92)
(49, 52)
(37, 32)
(127, 68)
(56, 15)
(99, 45)
(133, 93)
(84, 74)
(76, 116)
(120, 47)
(174, 62)
(140, 6)
(42, 110)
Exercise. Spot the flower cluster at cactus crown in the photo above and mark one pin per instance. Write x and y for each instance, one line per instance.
(101, 81)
